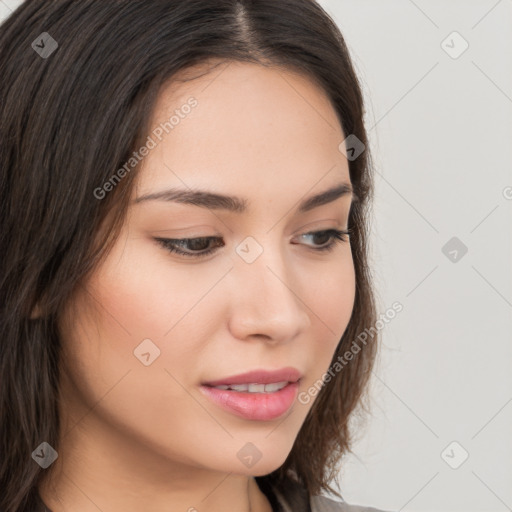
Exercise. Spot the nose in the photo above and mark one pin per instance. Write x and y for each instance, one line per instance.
(267, 299)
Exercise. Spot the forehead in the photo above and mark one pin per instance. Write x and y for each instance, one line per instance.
(251, 127)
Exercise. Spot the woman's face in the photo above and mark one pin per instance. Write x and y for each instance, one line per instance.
(151, 327)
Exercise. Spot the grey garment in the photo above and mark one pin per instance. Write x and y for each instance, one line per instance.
(290, 496)
(324, 504)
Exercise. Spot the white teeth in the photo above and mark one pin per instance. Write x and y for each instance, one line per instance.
(255, 388)
(270, 388)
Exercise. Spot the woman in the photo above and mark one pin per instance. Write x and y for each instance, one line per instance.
(184, 191)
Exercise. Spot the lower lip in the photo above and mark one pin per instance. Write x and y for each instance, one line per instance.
(254, 406)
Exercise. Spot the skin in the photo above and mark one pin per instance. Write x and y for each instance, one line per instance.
(141, 437)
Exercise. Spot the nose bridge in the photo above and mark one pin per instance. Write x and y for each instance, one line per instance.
(267, 302)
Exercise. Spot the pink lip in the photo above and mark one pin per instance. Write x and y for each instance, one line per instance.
(259, 377)
(254, 406)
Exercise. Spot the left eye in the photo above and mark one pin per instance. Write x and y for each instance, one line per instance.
(200, 246)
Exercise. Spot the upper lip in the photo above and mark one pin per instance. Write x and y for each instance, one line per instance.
(259, 377)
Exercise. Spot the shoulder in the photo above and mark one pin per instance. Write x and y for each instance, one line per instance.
(324, 504)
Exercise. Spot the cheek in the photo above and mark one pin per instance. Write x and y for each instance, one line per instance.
(110, 380)
(146, 293)
(329, 290)
(140, 294)
(331, 296)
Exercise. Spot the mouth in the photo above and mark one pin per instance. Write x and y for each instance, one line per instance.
(254, 388)
(257, 402)
(258, 395)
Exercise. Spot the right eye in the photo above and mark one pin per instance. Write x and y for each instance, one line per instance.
(195, 244)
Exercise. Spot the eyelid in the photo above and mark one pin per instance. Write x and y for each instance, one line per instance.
(190, 232)
(304, 229)
(319, 225)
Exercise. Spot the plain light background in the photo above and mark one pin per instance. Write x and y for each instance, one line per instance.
(441, 134)
(440, 126)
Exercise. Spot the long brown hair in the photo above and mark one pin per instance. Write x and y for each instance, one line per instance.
(69, 119)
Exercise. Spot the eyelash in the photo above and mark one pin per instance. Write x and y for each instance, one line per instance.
(335, 235)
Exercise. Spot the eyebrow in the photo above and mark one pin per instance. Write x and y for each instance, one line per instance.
(214, 201)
